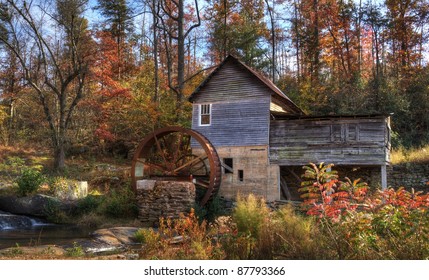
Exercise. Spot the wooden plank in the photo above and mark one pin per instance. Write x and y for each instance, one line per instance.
(243, 123)
(338, 141)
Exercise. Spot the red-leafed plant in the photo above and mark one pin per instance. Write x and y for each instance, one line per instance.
(326, 196)
(389, 224)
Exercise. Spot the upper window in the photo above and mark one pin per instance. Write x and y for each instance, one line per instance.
(205, 114)
(344, 133)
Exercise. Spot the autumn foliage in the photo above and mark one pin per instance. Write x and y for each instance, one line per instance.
(337, 220)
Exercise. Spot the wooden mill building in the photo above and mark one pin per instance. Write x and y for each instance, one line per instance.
(264, 138)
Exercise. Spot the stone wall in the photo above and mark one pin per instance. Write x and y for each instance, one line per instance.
(409, 175)
(258, 176)
(403, 175)
(166, 199)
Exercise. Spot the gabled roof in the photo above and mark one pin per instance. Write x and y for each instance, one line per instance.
(278, 96)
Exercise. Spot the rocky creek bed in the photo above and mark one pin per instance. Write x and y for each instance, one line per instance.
(53, 241)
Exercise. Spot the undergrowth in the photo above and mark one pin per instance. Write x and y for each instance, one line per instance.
(339, 219)
(411, 155)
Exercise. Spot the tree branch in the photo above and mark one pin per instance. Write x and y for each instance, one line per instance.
(197, 24)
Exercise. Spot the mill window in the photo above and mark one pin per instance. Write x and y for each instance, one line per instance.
(228, 165)
(240, 175)
(205, 114)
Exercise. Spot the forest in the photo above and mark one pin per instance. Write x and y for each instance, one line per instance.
(84, 76)
(83, 81)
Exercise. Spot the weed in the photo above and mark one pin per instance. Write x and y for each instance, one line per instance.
(48, 251)
(75, 252)
(16, 250)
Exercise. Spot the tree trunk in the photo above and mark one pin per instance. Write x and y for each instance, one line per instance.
(316, 43)
(59, 157)
(180, 56)
(155, 52)
(273, 41)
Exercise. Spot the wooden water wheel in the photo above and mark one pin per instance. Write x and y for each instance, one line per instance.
(180, 154)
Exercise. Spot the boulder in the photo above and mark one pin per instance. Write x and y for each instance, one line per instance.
(36, 205)
(116, 236)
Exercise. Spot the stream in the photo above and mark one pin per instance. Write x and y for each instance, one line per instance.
(28, 231)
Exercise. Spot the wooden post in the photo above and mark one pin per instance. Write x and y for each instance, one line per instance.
(383, 177)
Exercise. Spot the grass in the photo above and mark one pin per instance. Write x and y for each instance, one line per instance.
(414, 155)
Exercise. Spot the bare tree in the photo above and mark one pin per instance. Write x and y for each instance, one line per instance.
(172, 22)
(54, 62)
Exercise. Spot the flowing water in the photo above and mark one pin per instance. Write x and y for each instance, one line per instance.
(16, 230)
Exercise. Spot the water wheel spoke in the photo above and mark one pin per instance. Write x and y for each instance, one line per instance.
(160, 150)
(202, 183)
(178, 151)
(199, 168)
(187, 145)
(155, 166)
(167, 154)
(203, 157)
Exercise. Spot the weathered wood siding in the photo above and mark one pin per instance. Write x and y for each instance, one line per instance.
(240, 109)
(342, 141)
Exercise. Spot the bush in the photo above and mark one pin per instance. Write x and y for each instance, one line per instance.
(250, 215)
(54, 212)
(389, 224)
(120, 203)
(29, 181)
(89, 204)
(183, 238)
(213, 209)
(251, 234)
(295, 235)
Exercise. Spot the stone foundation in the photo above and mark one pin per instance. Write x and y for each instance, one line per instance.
(252, 173)
(409, 175)
(166, 199)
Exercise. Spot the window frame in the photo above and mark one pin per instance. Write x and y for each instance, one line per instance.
(240, 175)
(200, 114)
(230, 163)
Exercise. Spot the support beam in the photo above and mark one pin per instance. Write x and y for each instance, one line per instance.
(383, 177)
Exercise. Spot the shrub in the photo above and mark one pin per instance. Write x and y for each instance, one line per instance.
(211, 210)
(29, 181)
(54, 212)
(120, 203)
(295, 235)
(251, 234)
(183, 238)
(327, 197)
(250, 215)
(389, 224)
(89, 204)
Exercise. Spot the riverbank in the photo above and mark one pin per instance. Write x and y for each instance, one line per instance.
(110, 243)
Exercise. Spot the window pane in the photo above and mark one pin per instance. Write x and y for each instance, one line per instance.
(205, 119)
